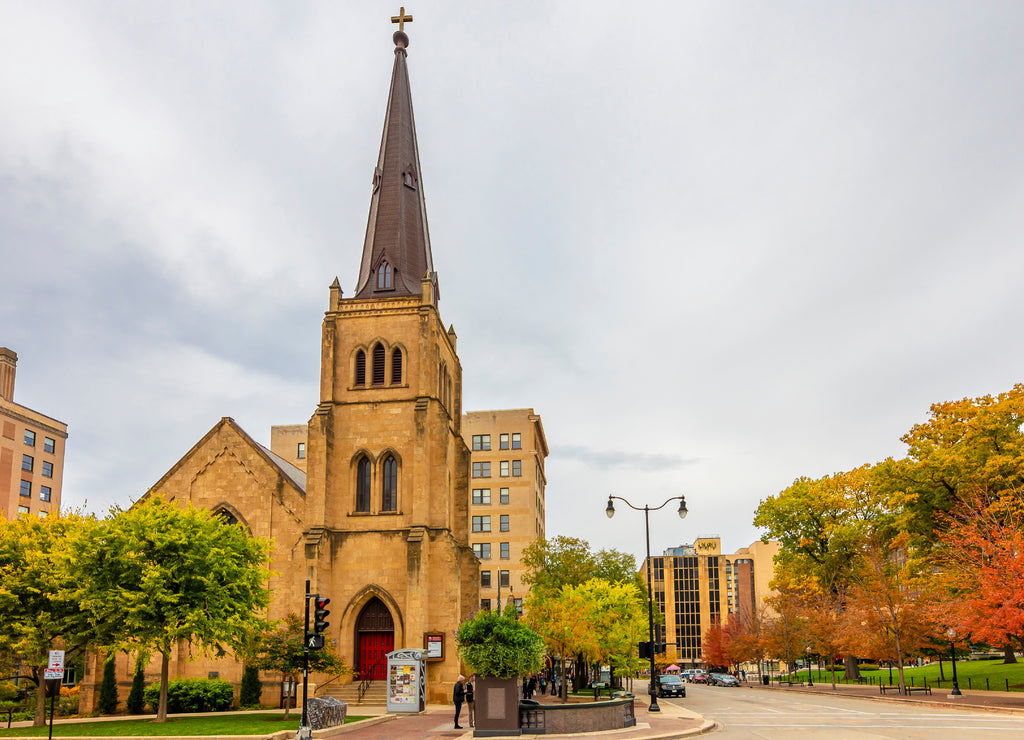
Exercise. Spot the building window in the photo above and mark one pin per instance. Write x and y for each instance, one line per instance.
(360, 368)
(384, 276)
(27, 463)
(504, 551)
(47, 469)
(44, 493)
(378, 364)
(481, 524)
(300, 451)
(43, 514)
(482, 550)
(503, 442)
(49, 445)
(485, 579)
(503, 493)
(504, 468)
(504, 523)
(481, 442)
(396, 367)
(485, 604)
(519, 606)
(503, 578)
(516, 441)
(30, 438)
(482, 496)
(389, 499)
(22, 510)
(26, 488)
(481, 470)
(517, 468)
(363, 480)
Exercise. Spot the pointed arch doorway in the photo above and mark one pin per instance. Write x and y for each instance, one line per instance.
(375, 638)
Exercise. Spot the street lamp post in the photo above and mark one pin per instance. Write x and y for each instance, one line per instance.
(810, 681)
(682, 512)
(952, 650)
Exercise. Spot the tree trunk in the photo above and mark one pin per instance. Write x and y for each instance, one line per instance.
(40, 719)
(852, 672)
(899, 662)
(1008, 656)
(942, 676)
(165, 664)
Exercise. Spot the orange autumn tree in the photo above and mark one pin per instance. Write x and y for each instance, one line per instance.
(981, 556)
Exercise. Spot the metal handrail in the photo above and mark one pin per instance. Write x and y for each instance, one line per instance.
(364, 686)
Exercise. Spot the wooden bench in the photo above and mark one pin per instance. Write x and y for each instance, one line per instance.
(883, 689)
(862, 679)
(792, 683)
(926, 689)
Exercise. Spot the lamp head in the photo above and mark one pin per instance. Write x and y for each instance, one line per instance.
(681, 511)
(951, 632)
(610, 509)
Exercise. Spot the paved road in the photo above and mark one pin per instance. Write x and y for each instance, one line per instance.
(750, 713)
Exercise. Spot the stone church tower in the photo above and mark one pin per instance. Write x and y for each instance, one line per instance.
(378, 519)
(388, 472)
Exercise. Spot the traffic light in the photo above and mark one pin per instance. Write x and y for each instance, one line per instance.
(320, 613)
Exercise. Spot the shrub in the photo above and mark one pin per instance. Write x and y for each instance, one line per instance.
(136, 703)
(868, 667)
(9, 692)
(193, 695)
(251, 689)
(500, 645)
(107, 703)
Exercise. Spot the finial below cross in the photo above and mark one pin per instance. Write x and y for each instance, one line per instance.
(401, 19)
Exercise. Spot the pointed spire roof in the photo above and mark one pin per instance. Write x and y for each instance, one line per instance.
(396, 252)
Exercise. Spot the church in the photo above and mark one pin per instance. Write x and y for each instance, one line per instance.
(377, 520)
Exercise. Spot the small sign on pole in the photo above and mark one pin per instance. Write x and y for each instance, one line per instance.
(55, 665)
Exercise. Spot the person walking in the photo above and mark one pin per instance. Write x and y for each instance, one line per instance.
(458, 696)
(470, 704)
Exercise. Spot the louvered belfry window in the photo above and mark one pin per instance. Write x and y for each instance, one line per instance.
(389, 500)
(360, 368)
(378, 364)
(396, 366)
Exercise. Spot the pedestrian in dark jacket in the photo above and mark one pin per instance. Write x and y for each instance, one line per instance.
(531, 689)
(458, 696)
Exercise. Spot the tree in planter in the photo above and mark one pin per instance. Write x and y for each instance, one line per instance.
(108, 687)
(136, 702)
(493, 644)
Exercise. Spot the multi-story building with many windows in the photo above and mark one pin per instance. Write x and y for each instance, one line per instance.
(31, 451)
(697, 586)
(507, 483)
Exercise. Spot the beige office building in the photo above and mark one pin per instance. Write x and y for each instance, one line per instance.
(31, 451)
(507, 484)
(698, 585)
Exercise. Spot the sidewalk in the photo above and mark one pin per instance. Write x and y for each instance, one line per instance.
(1003, 701)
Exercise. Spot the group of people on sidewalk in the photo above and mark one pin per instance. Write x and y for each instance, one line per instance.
(465, 693)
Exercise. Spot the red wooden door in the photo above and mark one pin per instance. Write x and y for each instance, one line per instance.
(373, 651)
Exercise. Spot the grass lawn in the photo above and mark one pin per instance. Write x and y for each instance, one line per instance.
(969, 673)
(226, 724)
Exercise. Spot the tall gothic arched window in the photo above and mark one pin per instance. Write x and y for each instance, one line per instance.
(363, 483)
(389, 499)
(360, 368)
(378, 364)
(396, 366)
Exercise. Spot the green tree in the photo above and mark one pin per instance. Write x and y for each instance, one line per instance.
(493, 644)
(108, 687)
(158, 573)
(136, 702)
(282, 649)
(251, 689)
(38, 577)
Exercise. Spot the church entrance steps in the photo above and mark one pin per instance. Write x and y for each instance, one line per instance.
(349, 693)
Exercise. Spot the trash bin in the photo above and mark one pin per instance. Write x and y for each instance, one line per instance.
(766, 680)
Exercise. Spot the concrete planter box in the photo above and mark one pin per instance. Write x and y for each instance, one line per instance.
(564, 719)
(497, 706)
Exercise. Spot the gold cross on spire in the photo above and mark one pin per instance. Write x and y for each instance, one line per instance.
(401, 19)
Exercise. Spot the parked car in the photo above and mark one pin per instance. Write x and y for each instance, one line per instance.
(671, 685)
(723, 679)
(698, 676)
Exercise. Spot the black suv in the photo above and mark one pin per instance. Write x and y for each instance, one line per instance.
(671, 685)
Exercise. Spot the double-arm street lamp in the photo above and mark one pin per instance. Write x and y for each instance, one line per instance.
(681, 511)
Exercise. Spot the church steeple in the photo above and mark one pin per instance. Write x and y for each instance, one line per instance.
(396, 252)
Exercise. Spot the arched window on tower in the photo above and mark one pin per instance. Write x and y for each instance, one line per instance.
(396, 366)
(384, 276)
(363, 483)
(389, 498)
(378, 364)
(360, 368)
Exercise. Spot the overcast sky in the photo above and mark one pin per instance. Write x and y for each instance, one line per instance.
(715, 245)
